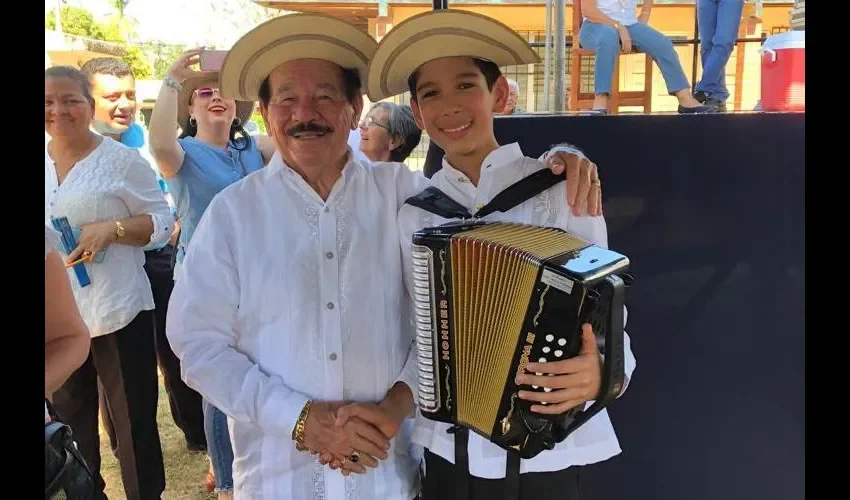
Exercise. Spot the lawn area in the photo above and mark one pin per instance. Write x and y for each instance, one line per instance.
(184, 470)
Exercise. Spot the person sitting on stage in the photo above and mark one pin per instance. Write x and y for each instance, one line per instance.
(456, 88)
(612, 26)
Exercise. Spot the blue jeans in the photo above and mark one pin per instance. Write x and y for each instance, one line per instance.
(218, 447)
(604, 41)
(718, 28)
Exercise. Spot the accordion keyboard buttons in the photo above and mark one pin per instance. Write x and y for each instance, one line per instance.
(559, 353)
(550, 338)
(562, 342)
(546, 349)
(542, 360)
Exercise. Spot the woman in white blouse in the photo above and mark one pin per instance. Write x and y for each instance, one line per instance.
(109, 194)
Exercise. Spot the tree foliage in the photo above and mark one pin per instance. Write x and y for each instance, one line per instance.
(80, 22)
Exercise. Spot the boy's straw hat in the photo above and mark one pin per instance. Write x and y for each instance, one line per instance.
(436, 34)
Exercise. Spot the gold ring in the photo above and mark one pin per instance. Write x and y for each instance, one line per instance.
(354, 457)
(596, 182)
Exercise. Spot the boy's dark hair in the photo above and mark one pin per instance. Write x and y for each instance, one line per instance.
(490, 71)
(350, 81)
(106, 66)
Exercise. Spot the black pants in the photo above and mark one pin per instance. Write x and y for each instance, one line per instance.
(441, 475)
(184, 402)
(125, 363)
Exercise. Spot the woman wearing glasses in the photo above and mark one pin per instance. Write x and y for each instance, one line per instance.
(389, 132)
(212, 152)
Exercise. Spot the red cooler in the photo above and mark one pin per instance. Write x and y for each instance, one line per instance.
(783, 72)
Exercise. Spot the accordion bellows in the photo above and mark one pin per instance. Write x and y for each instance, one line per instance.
(489, 298)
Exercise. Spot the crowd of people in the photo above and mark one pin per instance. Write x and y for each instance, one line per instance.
(268, 276)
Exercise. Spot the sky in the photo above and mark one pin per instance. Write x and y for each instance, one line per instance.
(214, 23)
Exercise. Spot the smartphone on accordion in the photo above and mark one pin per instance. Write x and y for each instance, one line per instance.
(491, 297)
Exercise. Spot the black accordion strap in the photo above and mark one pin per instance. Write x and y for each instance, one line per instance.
(512, 476)
(437, 202)
(461, 462)
(521, 191)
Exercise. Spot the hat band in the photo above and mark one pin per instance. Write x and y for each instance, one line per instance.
(280, 41)
(395, 54)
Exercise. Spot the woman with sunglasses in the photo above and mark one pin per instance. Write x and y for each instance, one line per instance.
(212, 152)
(389, 132)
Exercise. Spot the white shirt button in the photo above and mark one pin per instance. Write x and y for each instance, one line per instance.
(330, 305)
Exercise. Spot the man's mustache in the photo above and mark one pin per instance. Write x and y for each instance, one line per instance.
(311, 126)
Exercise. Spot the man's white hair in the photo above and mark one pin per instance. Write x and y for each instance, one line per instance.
(513, 84)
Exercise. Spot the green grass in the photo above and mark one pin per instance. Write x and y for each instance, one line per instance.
(184, 470)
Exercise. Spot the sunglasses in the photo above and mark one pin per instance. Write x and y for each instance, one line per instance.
(206, 92)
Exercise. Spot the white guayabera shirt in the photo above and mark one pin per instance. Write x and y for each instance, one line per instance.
(284, 297)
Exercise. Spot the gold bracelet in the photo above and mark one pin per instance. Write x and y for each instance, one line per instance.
(301, 426)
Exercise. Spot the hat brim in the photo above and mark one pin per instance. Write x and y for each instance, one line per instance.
(290, 37)
(437, 34)
(244, 109)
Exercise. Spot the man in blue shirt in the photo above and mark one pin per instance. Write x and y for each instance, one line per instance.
(114, 92)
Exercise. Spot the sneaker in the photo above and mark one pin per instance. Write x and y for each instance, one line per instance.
(717, 103)
(701, 96)
(699, 110)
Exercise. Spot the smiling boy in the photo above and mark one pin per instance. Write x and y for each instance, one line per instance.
(449, 61)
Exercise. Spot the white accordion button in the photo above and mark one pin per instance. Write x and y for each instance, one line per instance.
(539, 374)
(550, 338)
(547, 389)
(546, 349)
(535, 387)
(559, 353)
(562, 342)
(542, 360)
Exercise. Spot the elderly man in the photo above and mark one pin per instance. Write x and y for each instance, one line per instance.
(114, 91)
(290, 302)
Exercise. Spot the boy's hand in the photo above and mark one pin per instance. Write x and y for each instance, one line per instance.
(573, 381)
(584, 191)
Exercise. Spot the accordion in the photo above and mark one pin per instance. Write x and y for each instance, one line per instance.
(489, 297)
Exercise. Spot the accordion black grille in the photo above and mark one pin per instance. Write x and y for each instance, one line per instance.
(494, 270)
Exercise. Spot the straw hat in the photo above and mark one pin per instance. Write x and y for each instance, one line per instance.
(436, 34)
(290, 37)
(244, 109)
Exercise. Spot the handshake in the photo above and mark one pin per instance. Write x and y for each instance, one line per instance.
(352, 437)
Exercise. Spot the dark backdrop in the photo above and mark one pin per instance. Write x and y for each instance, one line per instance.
(710, 209)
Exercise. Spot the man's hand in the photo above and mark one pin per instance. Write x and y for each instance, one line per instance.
(385, 417)
(323, 435)
(584, 191)
(573, 381)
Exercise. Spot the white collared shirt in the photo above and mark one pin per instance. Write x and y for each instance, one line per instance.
(112, 183)
(595, 440)
(623, 11)
(284, 297)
